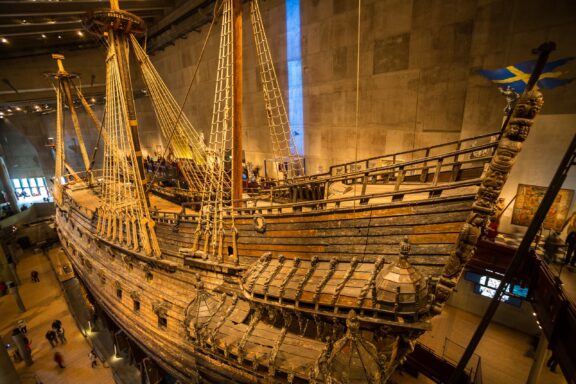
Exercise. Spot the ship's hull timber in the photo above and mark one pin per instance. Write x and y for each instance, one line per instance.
(322, 232)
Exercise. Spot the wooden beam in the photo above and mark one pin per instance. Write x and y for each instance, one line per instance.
(237, 104)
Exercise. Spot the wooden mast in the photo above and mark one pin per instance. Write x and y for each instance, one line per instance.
(64, 81)
(237, 104)
(118, 38)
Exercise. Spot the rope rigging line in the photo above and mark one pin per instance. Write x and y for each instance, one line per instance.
(185, 142)
(175, 123)
(216, 195)
(283, 143)
(123, 216)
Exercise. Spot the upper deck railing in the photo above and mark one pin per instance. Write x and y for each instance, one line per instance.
(431, 171)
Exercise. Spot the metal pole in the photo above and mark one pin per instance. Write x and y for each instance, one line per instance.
(19, 340)
(523, 248)
(13, 288)
(8, 374)
(536, 368)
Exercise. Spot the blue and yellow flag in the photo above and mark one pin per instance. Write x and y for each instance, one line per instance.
(517, 76)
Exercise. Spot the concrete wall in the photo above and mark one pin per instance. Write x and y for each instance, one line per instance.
(17, 146)
(418, 81)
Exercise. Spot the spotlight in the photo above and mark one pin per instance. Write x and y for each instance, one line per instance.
(93, 100)
(4, 40)
(59, 36)
(18, 109)
(80, 33)
(43, 36)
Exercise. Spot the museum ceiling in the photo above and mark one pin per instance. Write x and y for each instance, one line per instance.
(31, 27)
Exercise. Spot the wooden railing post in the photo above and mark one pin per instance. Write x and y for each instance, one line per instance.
(437, 173)
(399, 178)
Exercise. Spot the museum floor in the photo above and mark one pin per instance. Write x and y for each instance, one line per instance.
(505, 353)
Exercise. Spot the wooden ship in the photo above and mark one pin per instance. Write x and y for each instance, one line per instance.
(317, 279)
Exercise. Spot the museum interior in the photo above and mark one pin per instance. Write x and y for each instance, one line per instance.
(287, 191)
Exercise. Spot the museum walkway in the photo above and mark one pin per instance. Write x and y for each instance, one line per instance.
(506, 354)
(45, 302)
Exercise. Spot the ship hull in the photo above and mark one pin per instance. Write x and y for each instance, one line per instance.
(324, 233)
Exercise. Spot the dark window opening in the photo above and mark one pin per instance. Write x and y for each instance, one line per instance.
(119, 293)
(136, 306)
(162, 322)
(149, 276)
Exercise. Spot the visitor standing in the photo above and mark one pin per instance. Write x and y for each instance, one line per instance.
(35, 276)
(56, 325)
(570, 247)
(21, 325)
(59, 359)
(60, 334)
(51, 337)
(93, 358)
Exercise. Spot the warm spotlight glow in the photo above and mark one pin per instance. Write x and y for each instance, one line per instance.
(18, 109)
(59, 36)
(4, 40)
(93, 100)
(43, 36)
(80, 33)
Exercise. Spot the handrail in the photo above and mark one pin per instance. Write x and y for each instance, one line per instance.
(319, 205)
(393, 168)
(458, 143)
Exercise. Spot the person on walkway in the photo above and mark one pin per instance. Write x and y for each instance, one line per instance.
(56, 325)
(552, 246)
(51, 337)
(21, 325)
(552, 363)
(570, 247)
(60, 334)
(35, 276)
(93, 358)
(59, 359)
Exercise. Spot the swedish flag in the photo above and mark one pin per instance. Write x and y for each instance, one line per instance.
(517, 76)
